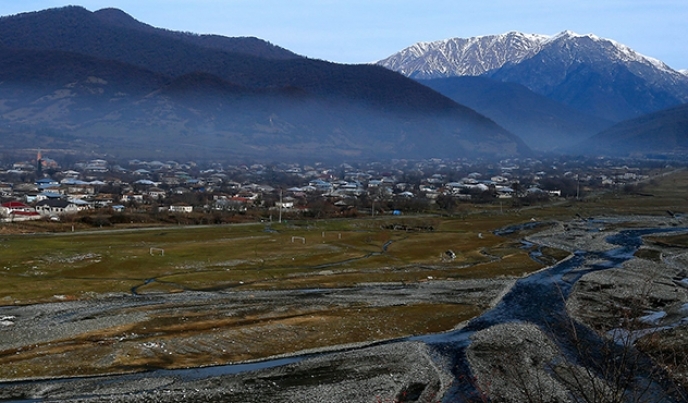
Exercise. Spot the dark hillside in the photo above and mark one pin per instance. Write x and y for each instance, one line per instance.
(109, 83)
(36, 69)
(664, 132)
(245, 45)
(74, 29)
(542, 123)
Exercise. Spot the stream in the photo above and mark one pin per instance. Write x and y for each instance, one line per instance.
(540, 299)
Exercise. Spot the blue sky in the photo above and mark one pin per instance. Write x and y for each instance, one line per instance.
(358, 31)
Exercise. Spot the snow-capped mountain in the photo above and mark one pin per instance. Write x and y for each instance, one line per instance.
(684, 72)
(596, 75)
(569, 49)
(463, 56)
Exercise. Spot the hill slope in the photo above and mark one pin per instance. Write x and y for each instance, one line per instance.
(188, 94)
(664, 133)
(542, 123)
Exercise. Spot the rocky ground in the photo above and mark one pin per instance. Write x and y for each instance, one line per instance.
(387, 373)
(125, 333)
(648, 290)
(632, 310)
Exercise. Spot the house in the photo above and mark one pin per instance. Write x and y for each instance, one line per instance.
(286, 203)
(47, 182)
(74, 186)
(18, 211)
(180, 208)
(45, 196)
(103, 200)
(97, 165)
(5, 189)
(132, 197)
(504, 192)
(156, 193)
(232, 204)
(56, 207)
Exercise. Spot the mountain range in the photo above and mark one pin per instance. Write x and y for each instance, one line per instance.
(579, 83)
(103, 81)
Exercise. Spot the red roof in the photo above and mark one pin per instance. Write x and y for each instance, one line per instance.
(15, 205)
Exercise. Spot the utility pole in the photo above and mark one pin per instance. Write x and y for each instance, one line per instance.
(280, 207)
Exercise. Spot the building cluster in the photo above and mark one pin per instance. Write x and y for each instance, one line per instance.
(46, 190)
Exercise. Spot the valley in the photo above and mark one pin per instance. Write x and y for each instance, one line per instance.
(230, 305)
(204, 218)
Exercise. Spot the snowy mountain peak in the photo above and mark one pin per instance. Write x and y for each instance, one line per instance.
(571, 35)
(463, 56)
(480, 54)
(613, 49)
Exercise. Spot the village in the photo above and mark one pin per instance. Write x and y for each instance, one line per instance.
(50, 190)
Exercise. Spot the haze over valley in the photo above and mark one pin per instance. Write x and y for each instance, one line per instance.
(102, 81)
(202, 217)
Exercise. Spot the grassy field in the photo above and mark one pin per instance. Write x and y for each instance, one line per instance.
(45, 267)
(333, 253)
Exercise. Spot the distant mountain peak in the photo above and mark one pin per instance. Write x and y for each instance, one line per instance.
(477, 55)
(463, 56)
(616, 49)
(118, 17)
(596, 75)
(570, 34)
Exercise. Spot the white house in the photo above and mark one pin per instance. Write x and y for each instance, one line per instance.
(53, 207)
(180, 208)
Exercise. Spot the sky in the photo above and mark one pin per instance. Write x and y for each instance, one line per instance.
(362, 31)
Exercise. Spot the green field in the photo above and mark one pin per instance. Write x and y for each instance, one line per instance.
(338, 253)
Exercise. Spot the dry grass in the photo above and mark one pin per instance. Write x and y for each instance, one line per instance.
(189, 338)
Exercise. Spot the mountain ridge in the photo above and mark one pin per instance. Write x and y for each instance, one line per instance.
(246, 45)
(462, 56)
(595, 75)
(217, 102)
